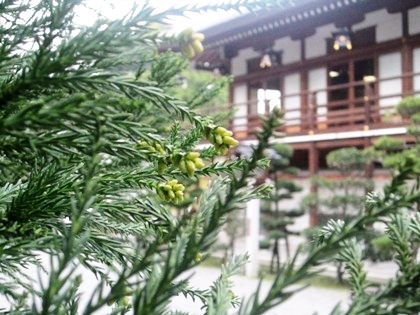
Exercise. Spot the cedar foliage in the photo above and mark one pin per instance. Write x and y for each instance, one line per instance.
(89, 173)
(84, 156)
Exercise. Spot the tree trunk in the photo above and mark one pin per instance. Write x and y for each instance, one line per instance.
(340, 272)
(275, 255)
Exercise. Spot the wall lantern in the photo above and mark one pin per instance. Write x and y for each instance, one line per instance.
(342, 40)
(269, 58)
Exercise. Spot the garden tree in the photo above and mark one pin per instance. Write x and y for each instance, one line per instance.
(234, 227)
(391, 151)
(276, 218)
(82, 159)
(344, 196)
(338, 238)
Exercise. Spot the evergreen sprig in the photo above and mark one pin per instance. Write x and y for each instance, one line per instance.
(90, 133)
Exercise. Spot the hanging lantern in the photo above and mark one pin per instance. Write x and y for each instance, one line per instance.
(342, 40)
(268, 59)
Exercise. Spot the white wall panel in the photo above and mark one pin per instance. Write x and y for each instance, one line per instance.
(292, 103)
(389, 66)
(240, 99)
(239, 63)
(317, 80)
(388, 26)
(290, 49)
(416, 69)
(414, 21)
(316, 45)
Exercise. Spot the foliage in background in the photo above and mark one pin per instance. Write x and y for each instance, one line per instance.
(344, 195)
(391, 152)
(275, 217)
(205, 93)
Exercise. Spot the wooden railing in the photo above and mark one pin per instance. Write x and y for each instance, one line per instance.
(372, 108)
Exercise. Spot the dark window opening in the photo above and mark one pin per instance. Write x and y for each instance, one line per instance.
(300, 159)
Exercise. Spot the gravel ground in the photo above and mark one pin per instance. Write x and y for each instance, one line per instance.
(305, 302)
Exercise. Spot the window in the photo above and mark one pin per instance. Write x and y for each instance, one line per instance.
(264, 95)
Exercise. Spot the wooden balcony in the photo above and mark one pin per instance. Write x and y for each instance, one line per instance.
(368, 106)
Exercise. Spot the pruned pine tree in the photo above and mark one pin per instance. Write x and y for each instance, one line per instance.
(393, 151)
(278, 218)
(338, 239)
(346, 195)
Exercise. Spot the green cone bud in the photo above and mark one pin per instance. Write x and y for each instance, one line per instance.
(178, 187)
(218, 139)
(197, 46)
(223, 132)
(230, 141)
(171, 194)
(190, 167)
(199, 163)
(182, 166)
(173, 182)
(179, 195)
(188, 51)
(192, 155)
(167, 187)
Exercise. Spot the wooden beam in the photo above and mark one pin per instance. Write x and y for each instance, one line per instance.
(322, 61)
(313, 170)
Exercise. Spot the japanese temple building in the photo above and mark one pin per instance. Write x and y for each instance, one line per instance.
(337, 68)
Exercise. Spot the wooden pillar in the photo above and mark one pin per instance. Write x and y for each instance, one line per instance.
(313, 170)
(351, 91)
(406, 57)
(304, 110)
(369, 168)
(368, 104)
(312, 112)
(407, 68)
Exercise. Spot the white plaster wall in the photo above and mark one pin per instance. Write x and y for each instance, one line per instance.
(389, 66)
(292, 103)
(315, 45)
(290, 48)
(240, 99)
(317, 80)
(416, 69)
(414, 21)
(239, 63)
(388, 26)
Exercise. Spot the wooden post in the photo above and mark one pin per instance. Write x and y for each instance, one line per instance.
(304, 100)
(313, 170)
(367, 98)
(407, 68)
(312, 112)
(406, 56)
(369, 168)
(351, 105)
